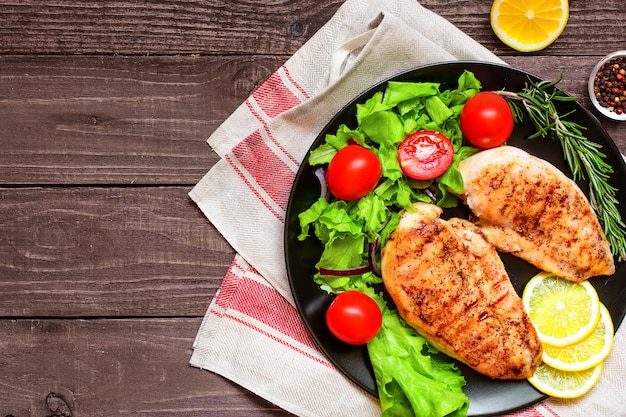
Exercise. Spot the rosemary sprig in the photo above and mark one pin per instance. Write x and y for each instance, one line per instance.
(584, 158)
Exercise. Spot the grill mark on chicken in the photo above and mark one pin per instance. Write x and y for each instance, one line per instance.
(448, 283)
(529, 208)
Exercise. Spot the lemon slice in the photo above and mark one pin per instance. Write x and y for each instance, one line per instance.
(563, 312)
(529, 25)
(564, 384)
(587, 353)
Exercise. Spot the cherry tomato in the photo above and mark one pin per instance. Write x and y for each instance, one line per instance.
(486, 120)
(353, 172)
(425, 154)
(354, 318)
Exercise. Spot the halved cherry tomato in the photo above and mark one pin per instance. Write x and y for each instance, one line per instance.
(354, 318)
(425, 154)
(486, 120)
(353, 172)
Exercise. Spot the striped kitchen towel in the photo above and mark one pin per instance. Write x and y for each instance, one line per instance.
(252, 333)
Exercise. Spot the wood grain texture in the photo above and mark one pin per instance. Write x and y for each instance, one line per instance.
(116, 120)
(105, 368)
(116, 252)
(160, 27)
(106, 266)
(586, 33)
(575, 75)
(247, 26)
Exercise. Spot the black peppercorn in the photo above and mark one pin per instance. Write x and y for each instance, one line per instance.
(610, 85)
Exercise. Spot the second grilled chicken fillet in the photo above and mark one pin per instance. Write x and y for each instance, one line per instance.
(529, 208)
(449, 284)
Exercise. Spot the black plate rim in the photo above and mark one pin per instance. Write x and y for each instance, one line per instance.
(590, 118)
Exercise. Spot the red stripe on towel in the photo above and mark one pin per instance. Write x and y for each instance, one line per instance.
(254, 189)
(281, 341)
(295, 84)
(273, 96)
(272, 174)
(262, 303)
(526, 412)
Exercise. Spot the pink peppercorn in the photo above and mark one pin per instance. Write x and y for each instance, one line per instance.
(610, 85)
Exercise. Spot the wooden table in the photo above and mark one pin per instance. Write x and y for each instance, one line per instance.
(106, 266)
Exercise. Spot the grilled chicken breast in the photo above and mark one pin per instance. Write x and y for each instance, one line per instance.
(449, 284)
(527, 207)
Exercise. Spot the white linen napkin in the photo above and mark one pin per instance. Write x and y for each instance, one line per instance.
(252, 333)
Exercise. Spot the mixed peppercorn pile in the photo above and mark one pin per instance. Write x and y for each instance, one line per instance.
(610, 85)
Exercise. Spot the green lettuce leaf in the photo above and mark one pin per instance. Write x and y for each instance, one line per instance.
(383, 127)
(437, 110)
(398, 91)
(323, 154)
(451, 182)
(468, 81)
(413, 378)
(371, 106)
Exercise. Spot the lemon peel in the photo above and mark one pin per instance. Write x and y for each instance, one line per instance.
(529, 25)
(563, 312)
(565, 384)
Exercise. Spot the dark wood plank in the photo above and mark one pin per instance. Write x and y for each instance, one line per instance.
(94, 120)
(116, 120)
(118, 252)
(247, 27)
(575, 72)
(104, 286)
(160, 27)
(103, 368)
(586, 33)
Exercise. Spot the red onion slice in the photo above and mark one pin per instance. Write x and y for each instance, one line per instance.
(430, 194)
(373, 250)
(345, 272)
(320, 173)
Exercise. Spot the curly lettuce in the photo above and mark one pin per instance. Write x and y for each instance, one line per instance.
(413, 378)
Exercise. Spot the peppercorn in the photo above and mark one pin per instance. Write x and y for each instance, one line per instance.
(610, 85)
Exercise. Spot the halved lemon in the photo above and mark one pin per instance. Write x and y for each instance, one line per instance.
(587, 353)
(563, 312)
(529, 25)
(564, 384)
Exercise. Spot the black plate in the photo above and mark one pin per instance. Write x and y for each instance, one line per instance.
(487, 396)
